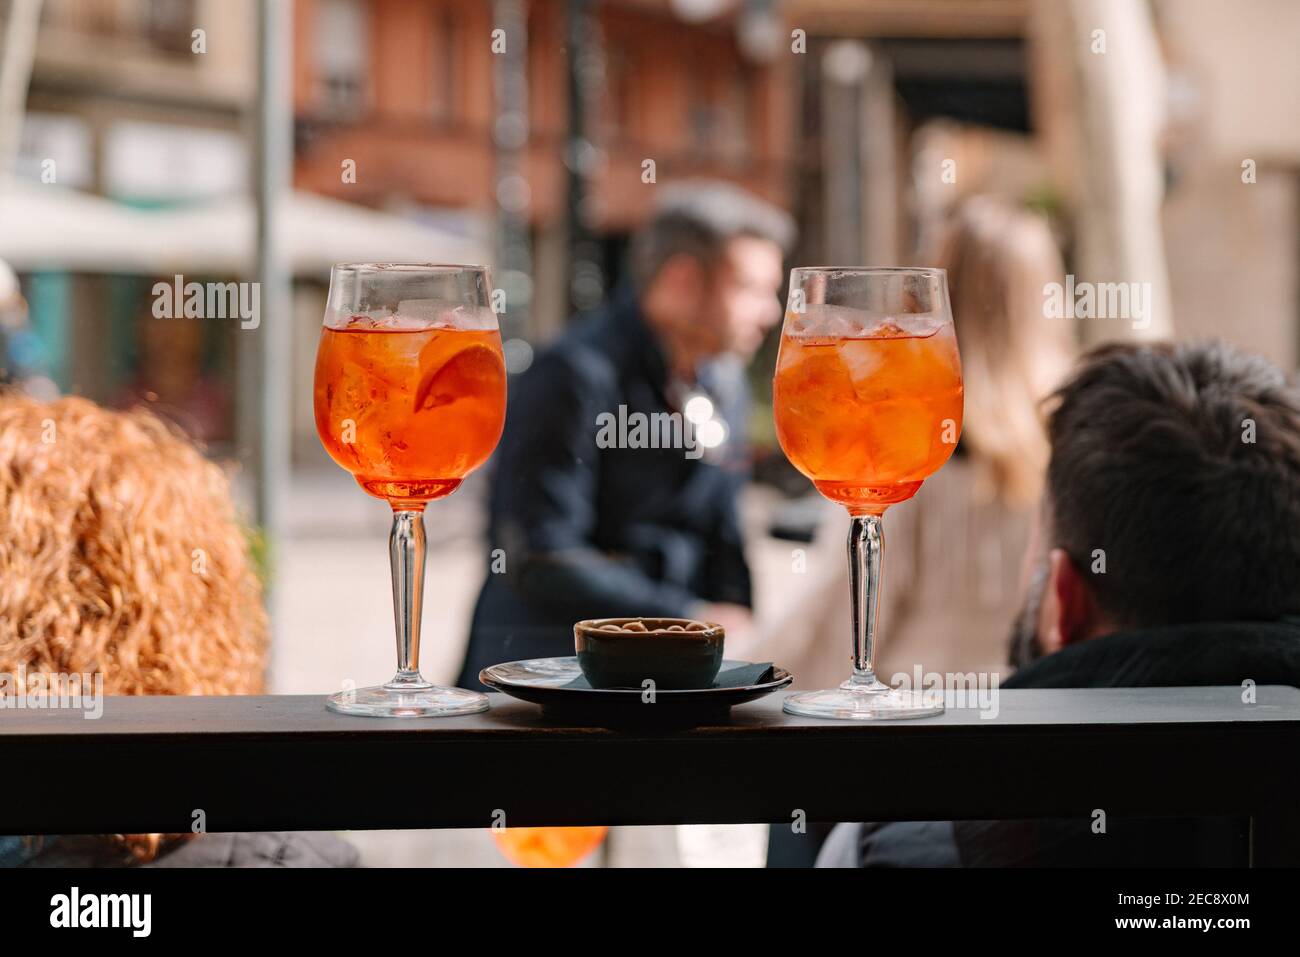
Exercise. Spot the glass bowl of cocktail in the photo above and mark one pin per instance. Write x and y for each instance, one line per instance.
(410, 398)
(868, 403)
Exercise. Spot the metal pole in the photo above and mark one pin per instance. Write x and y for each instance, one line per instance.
(271, 341)
(510, 136)
(17, 51)
(845, 66)
(585, 66)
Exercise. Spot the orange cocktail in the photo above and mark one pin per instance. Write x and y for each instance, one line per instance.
(410, 397)
(870, 414)
(868, 404)
(409, 411)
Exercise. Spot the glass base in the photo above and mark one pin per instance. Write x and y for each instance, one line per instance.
(864, 702)
(407, 701)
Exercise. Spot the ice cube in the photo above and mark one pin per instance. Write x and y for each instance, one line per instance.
(915, 324)
(902, 433)
(861, 359)
(837, 322)
(474, 317)
(846, 322)
(887, 329)
(379, 320)
(445, 314)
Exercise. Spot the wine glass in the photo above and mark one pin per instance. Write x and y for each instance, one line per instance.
(868, 404)
(410, 397)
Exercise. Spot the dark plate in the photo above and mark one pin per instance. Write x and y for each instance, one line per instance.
(542, 680)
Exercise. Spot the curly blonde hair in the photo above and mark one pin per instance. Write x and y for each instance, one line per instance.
(121, 554)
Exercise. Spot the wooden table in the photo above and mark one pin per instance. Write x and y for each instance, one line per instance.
(285, 763)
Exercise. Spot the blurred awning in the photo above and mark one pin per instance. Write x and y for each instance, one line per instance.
(50, 227)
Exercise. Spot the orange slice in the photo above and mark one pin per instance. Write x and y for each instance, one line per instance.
(472, 371)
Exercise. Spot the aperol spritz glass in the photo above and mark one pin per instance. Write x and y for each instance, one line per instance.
(410, 398)
(868, 404)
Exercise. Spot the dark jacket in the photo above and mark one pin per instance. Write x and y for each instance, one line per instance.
(1174, 656)
(261, 849)
(587, 531)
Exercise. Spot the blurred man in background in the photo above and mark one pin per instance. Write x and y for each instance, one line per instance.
(586, 521)
(1168, 555)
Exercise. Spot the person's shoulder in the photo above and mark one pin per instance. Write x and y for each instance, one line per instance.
(891, 844)
(263, 849)
(1191, 654)
(909, 844)
(842, 847)
(72, 850)
(582, 359)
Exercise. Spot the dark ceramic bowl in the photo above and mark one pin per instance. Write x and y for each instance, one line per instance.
(625, 659)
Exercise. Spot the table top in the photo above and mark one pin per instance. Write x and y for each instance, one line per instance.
(216, 716)
(285, 762)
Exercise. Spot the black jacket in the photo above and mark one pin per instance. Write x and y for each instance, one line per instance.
(587, 531)
(1174, 656)
(260, 849)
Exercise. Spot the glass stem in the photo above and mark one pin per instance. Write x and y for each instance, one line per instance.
(866, 548)
(406, 555)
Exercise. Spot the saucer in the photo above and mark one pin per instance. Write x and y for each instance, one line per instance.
(558, 686)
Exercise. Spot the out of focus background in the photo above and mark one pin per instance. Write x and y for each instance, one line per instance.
(231, 140)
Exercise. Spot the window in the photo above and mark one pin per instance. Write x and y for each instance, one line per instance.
(444, 87)
(619, 114)
(170, 23)
(734, 115)
(342, 56)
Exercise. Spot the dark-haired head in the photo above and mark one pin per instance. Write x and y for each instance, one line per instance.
(708, 267)
(1173, 493)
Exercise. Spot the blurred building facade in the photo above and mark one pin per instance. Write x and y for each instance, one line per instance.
(411, 92)
(525, 128)
(122, 106)
(1148, 131)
